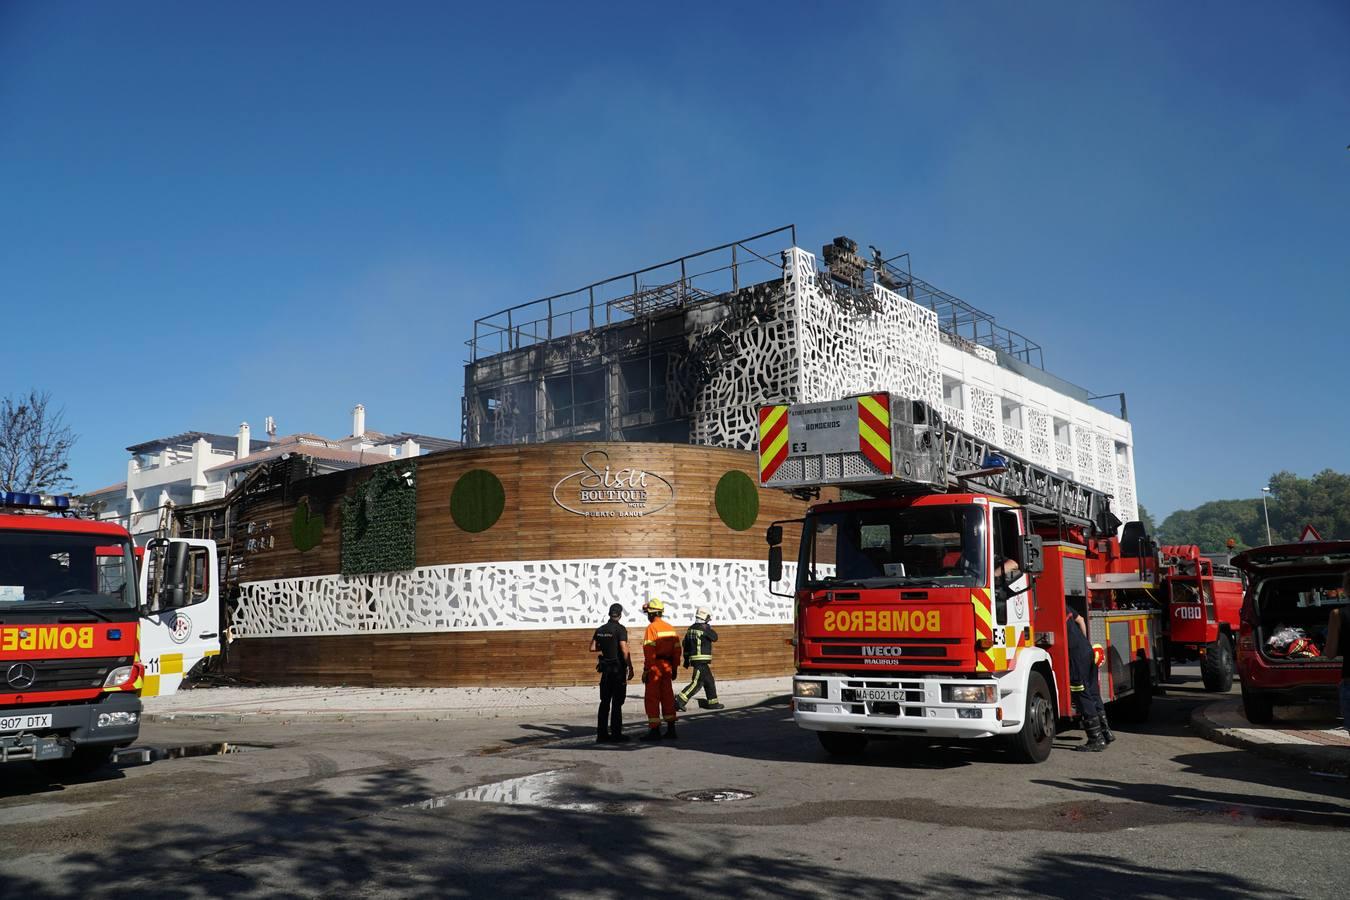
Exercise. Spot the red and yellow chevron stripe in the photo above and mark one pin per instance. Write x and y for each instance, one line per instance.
(988, 658)
(1138, 636)
(773, 440)
(874, 430)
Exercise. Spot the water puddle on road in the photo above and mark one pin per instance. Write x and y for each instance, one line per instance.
(543, 789)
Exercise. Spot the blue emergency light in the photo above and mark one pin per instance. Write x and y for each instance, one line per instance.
(21, 500)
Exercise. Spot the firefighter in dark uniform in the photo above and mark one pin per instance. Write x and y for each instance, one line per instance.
(1085, 686)
(616, 669)
(698, 648)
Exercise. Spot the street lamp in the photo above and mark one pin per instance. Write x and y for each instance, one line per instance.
(1265, 491)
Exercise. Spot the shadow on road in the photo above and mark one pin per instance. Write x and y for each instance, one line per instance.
(310, 842)
(1236, 806)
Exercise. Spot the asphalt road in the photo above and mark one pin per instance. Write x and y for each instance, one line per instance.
(516, 808)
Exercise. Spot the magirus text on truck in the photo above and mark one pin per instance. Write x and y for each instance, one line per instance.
(935, 603)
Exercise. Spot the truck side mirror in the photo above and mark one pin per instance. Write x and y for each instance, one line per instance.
(176, 578)
(775, 564)
(1032, 549)
(167, 562)
(774, 536)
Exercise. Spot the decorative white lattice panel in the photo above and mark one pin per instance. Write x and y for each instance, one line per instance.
(845, 350)
(1085, 464)
(762, 369)
(1106, 462)
(983, 413)
(509, 596)
(955, 416)
(1014, 440)
(1063, 455)
(1038, 438)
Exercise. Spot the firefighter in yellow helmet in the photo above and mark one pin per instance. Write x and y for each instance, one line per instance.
(661, 660)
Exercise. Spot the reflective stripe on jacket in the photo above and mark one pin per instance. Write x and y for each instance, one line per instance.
(661, 646)
(698, 641)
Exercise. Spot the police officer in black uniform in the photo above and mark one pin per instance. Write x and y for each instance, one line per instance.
(616, 670)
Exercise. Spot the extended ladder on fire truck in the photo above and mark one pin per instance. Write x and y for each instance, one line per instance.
(884, 444)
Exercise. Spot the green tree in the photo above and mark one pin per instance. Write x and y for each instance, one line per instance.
(1149, 525)
(1322, 501)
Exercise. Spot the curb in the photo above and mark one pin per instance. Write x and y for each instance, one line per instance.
(1332, 760)
(179, 717)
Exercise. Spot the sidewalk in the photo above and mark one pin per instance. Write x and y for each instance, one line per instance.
(411, 704)
(1312, 737)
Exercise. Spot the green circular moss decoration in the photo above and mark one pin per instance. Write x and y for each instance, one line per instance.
(477, 501)
(737, 500)
(306, 527)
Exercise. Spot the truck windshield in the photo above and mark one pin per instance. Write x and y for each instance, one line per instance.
(66, 570)
(934, 546)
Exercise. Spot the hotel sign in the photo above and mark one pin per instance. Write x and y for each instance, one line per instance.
(599, 490)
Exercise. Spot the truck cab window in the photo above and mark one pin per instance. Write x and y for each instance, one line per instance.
(1007, 534)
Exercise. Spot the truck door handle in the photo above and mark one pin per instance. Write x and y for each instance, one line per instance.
(205, 635)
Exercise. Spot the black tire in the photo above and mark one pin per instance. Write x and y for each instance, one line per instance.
(1258, 709)
(84, 761)
(1137, 706)
(1216, 666)
(1033, 743)
(838, 743)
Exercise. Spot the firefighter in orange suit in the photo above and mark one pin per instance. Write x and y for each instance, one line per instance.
(661, 660)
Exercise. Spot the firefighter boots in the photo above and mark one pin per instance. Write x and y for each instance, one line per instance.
(710, 704)
(653, 734)
(1106, 730)
(1095, 742)
(670, 732)
(680, 703)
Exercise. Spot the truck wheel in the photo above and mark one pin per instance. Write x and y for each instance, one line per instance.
(838, 743)
(1259, 710)
(1216, 668)
(1033, 743)
(84, 761)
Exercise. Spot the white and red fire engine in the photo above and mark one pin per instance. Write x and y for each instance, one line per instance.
(935, 604)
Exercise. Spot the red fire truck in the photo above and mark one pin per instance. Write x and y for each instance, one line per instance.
(70, 618)
(1204, 603)
(935, 604)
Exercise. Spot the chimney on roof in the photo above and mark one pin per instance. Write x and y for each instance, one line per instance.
(241, 446)
(358, 421)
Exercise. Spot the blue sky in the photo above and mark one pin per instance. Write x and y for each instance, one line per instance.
(212, 213)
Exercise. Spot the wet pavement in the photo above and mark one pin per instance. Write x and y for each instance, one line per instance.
(744, 804)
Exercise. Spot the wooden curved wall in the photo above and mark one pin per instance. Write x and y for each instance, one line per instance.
(532, 526)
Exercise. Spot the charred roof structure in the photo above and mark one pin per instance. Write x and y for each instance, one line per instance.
(688, 350)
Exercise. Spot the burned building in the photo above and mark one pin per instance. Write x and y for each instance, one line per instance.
(685, 352)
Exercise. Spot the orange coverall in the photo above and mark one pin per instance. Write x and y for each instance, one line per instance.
(661, 660)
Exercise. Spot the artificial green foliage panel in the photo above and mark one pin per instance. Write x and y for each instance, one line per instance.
(477, 501)
(306, 527)
(379, 522)
(737, 500)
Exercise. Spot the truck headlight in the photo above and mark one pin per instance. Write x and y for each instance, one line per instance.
(122, 678)
(808, 689)
(106, 720)
(969, 693)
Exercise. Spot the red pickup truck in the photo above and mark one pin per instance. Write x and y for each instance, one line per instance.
(1291, 592)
